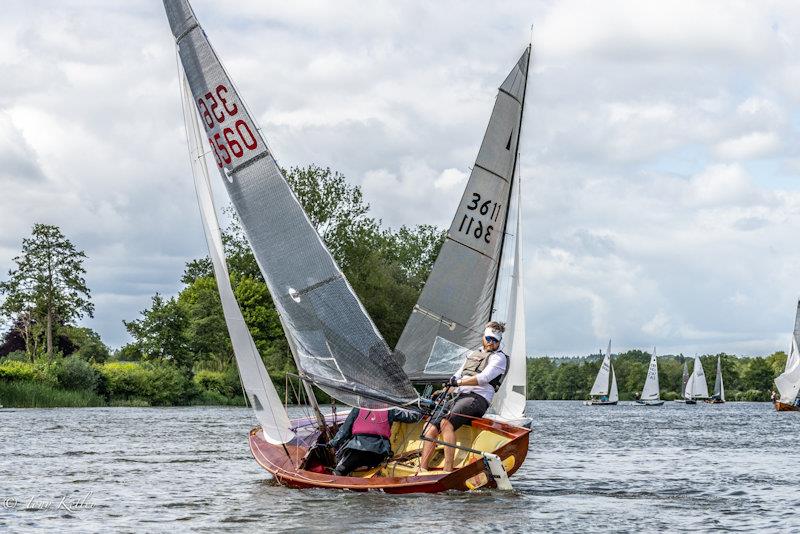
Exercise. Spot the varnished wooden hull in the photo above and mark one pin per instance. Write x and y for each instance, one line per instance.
(714, 401)
(783, 407)
(470, 475)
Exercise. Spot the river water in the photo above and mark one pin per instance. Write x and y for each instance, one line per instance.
(624, 468)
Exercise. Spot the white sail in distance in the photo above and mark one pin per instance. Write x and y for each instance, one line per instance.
(697, 386)
(258, 387)
(509, 401)
(614, 395)
(651, 389)
(788, 382)
(457, 300)
(719, 386)
(602, 383)
(334, 342)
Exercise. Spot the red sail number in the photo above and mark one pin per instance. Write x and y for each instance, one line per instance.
(214, 108)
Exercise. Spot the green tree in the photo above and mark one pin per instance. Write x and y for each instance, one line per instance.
(161, 333)
(758, 375)
(47, 284)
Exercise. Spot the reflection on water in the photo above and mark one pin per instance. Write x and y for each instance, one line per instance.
(626, 468)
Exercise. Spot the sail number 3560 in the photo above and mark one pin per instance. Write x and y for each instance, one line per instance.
(471, 225)
(231, 140)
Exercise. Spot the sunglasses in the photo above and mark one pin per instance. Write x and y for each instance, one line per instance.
(490, 339)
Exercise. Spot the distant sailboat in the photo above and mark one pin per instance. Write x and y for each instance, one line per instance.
(651, 394)
(788, 382)
(719, 388)
(696, 387)
(684, 381)
(604, 391)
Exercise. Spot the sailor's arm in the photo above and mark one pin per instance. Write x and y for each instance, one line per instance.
(344, 431)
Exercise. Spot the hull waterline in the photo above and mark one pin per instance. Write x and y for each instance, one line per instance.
(785, 407)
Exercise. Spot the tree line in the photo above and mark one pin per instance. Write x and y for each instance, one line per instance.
(181, 352)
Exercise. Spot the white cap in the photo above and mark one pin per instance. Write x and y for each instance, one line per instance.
(491, 332)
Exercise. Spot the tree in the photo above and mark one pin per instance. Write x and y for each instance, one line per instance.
(47, 285)
(161, 333)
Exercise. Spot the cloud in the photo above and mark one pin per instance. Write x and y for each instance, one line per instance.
(658, 150)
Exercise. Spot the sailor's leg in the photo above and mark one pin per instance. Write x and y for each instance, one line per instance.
(349, 460)
(428, 446)
(448, 436)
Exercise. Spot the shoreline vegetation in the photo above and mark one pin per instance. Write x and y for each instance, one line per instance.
(180, 353)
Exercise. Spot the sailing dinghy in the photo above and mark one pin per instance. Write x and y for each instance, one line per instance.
(651, 394)
(333, 341)
(788, 382)
(697, 387)
(719, 388)
(684, 381)
(604, 390)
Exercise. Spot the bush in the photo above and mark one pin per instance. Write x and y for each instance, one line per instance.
(211, 381)
(77, 374)
(158, 384)
(16, 371)
(16, 356)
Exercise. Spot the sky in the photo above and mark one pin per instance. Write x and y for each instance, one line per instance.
(659, 164)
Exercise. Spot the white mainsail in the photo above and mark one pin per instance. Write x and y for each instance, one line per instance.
(601, 384)
(788, 382)
(696, 387)
(258, 387)
(509, 401)
(651, 387)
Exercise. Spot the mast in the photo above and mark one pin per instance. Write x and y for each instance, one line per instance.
(516, 157)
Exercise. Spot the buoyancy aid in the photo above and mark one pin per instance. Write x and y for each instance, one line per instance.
(477, 362)
(372, 422)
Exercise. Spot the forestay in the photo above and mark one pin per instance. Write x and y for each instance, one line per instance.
(335, 343)
(509, 401)
(788, 382)
(456, 302)
(651, 387)
(258, 387)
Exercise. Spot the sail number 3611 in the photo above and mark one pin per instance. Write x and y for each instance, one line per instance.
(470, 225)
(231, 140)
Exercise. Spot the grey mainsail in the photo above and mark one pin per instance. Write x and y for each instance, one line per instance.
(719, 387)
(335, 343)
(458, 297)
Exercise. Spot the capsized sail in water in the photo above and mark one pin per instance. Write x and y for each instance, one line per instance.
(335, 344)
(788, 382)
(604, 390)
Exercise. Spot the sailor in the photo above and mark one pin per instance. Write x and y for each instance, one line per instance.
(477, 380)
(365, 434)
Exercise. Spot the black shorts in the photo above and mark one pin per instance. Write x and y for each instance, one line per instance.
(471, 404)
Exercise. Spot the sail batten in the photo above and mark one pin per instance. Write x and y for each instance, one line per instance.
(460, 289)
(333, 337)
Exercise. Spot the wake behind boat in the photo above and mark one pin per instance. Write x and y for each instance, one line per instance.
(333, 341)
(604, 390)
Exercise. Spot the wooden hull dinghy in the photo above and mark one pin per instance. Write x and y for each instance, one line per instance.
(785, 407)
(294, 467)
(714, 401)
(334, 343)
